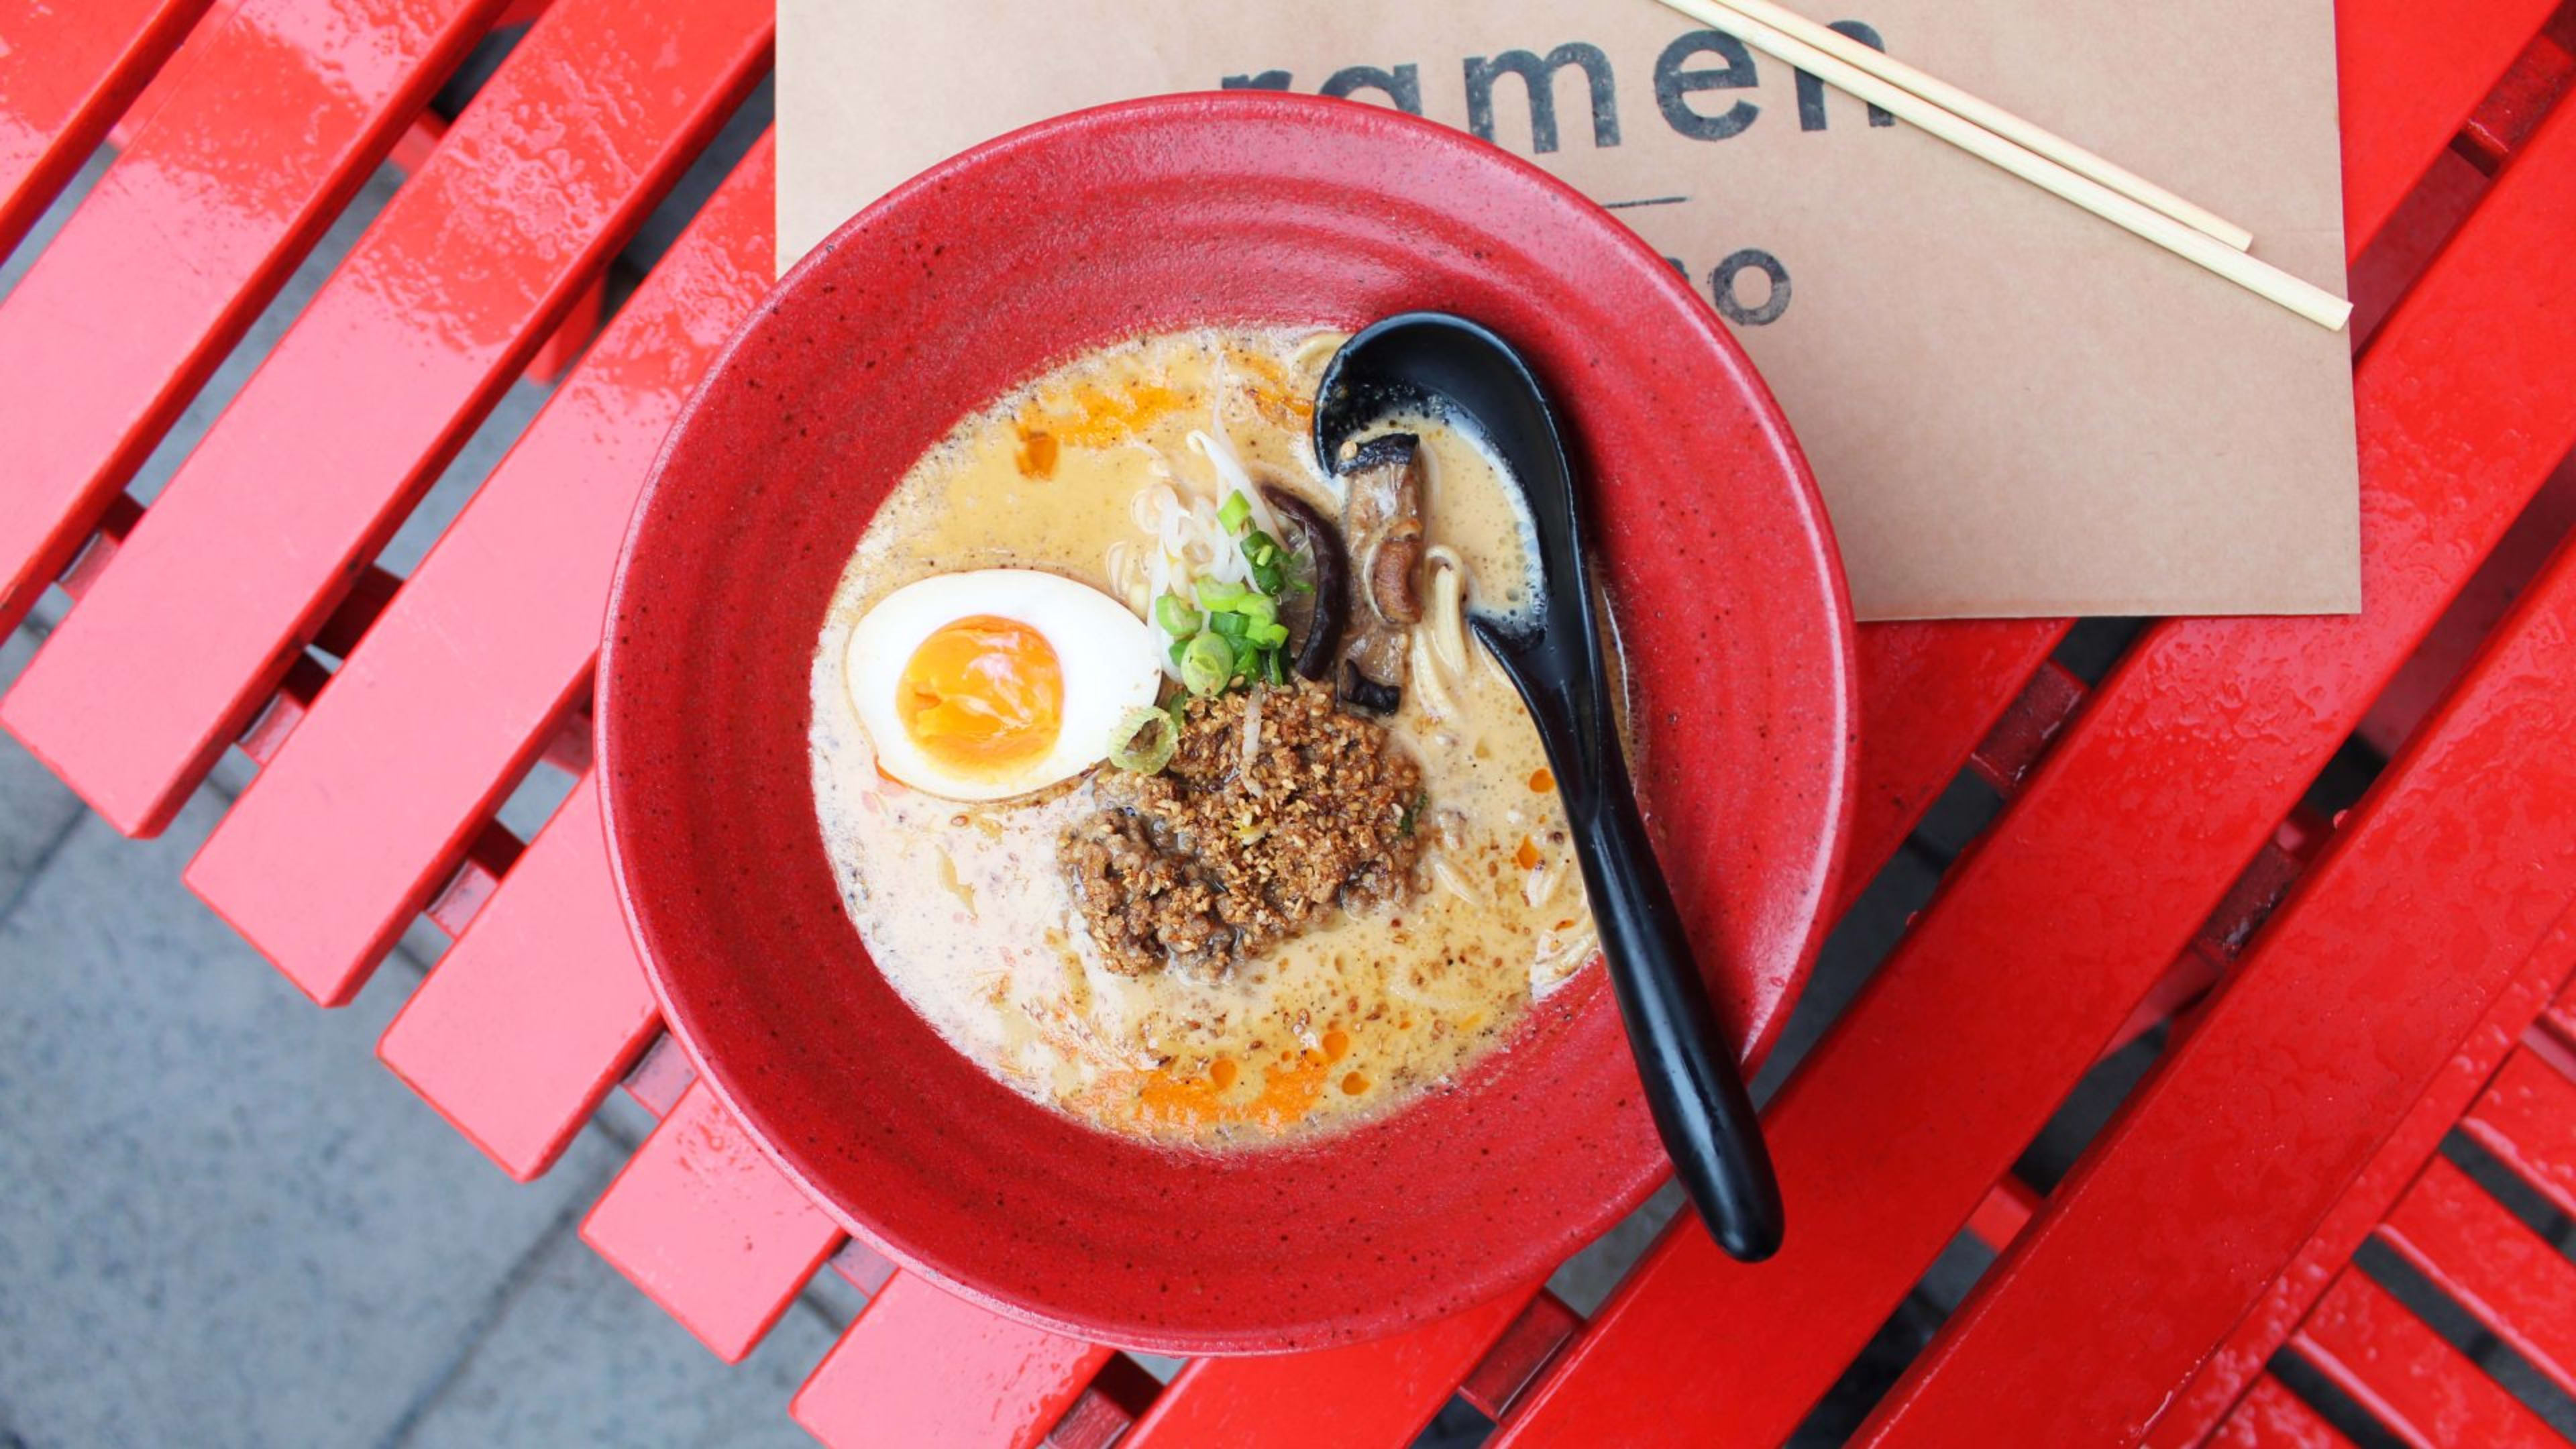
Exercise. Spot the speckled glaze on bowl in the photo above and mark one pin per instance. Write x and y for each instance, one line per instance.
(986, 270)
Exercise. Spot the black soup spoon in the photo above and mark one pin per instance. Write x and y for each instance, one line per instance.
(1431, 360)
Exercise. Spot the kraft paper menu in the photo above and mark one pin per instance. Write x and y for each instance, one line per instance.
(2013, 408)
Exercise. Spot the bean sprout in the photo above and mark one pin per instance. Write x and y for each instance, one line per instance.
(1127, 578)
(1233, 478)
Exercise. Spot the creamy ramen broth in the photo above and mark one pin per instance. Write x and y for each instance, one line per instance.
(964, 905)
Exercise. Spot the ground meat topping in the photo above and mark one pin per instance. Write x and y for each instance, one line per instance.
(1204, 864)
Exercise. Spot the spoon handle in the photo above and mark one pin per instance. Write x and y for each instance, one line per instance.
(1692, 1084)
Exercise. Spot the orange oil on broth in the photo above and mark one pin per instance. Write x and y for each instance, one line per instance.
(962, 906)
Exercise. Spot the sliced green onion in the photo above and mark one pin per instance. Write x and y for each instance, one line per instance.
(1233, 627)
(1222, 597)
(1267, 636)
(1206, 664)
(1234, 512)
(1258, 609)
(1178, 645)
(1177, 618)
(1144, 741)
(1271, 667)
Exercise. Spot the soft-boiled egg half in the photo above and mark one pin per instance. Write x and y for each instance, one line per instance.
(996, 682)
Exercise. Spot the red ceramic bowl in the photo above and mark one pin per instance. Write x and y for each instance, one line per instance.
(970, 279)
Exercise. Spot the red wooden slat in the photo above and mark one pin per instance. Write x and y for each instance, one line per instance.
(2546, 1046)
(1516, 1357)
(2378, 278)
(2082, 894)
(867, 1269)
(305, 677)
(491, 855)
(1929, 695)
(345, 835)
(357, 611)
(147, 102)
(709, 1229)
(922, 1366)
(536, 1012)
(2560, 1014)
(2527, 1117)
(1369, 1393)
(2239, 1358)
(2255, 1122)
(2271, 1417)
(555, 356)
(2417, 1385)
(2537, 80)
(1094, 1422)
(2184, 982)
(1115, 1398)
(67, 69)
(282, 112)
(2412, 73)
(2003, 1212)
(2248, 903)
(580, 323)
(374, 388)
(418, 142)
(2514, 1280)
(2014, 747)
(662, 1076)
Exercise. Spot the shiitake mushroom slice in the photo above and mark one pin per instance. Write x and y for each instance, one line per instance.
(1321, 543)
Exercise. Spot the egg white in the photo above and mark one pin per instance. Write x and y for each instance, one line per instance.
(1111, 662)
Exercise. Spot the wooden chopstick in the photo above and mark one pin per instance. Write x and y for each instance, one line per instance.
(2261, 278)
(1994, 118)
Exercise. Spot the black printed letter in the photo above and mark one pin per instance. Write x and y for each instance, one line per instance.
(1674, 84)
(1403, 85)
(1540, 76)
(1268, 80)
(1721, 288)
(1811, 91)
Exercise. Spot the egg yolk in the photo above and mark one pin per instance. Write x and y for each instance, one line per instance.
(982, 694)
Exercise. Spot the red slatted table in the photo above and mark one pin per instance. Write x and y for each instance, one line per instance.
(2195, 1278)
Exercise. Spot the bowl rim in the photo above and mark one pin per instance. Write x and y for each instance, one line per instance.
(1255, 107)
